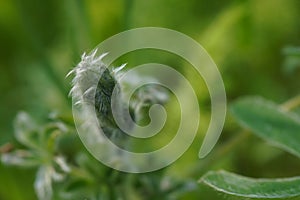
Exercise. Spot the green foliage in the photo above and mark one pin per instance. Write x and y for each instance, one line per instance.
(237, 185)
(42, 40)
(39, 151)
(270, 122)
(277, 126)
(65, 170)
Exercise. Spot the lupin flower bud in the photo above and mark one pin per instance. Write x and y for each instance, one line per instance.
(94, 84)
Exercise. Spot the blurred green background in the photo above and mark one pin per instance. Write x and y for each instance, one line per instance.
(42, 40)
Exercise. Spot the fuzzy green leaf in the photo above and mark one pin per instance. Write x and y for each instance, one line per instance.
(241, 186)
(270, 122)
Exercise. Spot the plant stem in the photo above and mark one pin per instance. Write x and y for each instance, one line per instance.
(127, 13)
(39, 50)
(217, 155)
(291, 104)
(79, 28)
(6, 148)
(80, 173)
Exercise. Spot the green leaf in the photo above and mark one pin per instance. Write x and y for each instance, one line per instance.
(43, 183)
(270, 122)
(237, 185)
(21, 158)
(25, 130)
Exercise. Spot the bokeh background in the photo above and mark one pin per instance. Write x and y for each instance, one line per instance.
(42, 40)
